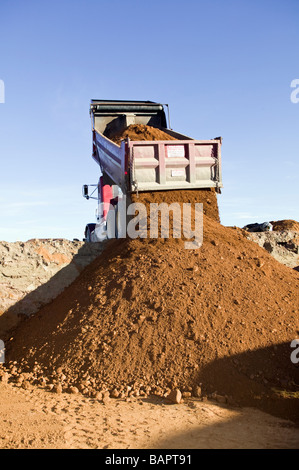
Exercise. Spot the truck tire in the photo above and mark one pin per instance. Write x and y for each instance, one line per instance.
(88, 229)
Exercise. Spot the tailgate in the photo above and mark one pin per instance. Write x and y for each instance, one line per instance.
(161, 165)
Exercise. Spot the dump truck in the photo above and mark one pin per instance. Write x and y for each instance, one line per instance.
(137, 166)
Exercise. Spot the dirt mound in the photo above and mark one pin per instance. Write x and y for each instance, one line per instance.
(140, 132)
(149, 316)
(288, 224)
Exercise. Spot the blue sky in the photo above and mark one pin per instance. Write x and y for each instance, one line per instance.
(224, 67)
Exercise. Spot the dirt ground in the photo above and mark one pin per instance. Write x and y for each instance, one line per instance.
(39, 419)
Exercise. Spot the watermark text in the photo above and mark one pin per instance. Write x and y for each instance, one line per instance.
(2, 91)
(156, 221)
(2, 352)
(295, 93)
(295, 353)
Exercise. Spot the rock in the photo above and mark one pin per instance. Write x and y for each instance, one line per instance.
(4, 377)
(175, 396)
(106, 399)
(268, 246)
(115, 394)
(186, 394)
(20, 379)
(42, 381)
(220, 398)
(25, 385)
(280, 244)
(197, 391)
(98, 396)
(73, 390)
(57, 388)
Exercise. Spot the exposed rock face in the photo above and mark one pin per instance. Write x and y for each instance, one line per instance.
(33, 273)
(283, 245)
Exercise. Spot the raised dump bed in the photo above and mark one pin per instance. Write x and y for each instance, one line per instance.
(151, 165)
(148, 165)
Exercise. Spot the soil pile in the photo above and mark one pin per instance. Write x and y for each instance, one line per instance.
(149, 315)
(140, 132)
(288, 224)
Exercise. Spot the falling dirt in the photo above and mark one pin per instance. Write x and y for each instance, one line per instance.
(207, 197)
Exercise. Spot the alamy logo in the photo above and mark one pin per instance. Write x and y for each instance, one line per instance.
(2, 352)
(2, 92)
(295, 353)
(295, 93)
(186, 222)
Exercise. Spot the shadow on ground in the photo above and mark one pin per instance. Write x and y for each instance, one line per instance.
(221, 428)
(265, 378)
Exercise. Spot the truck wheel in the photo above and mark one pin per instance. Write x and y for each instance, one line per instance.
(88, 229)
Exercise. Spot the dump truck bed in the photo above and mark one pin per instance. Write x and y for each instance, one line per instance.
(152, 165)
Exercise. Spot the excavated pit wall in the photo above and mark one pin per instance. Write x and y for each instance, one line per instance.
(283, 245)
(34, 272)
